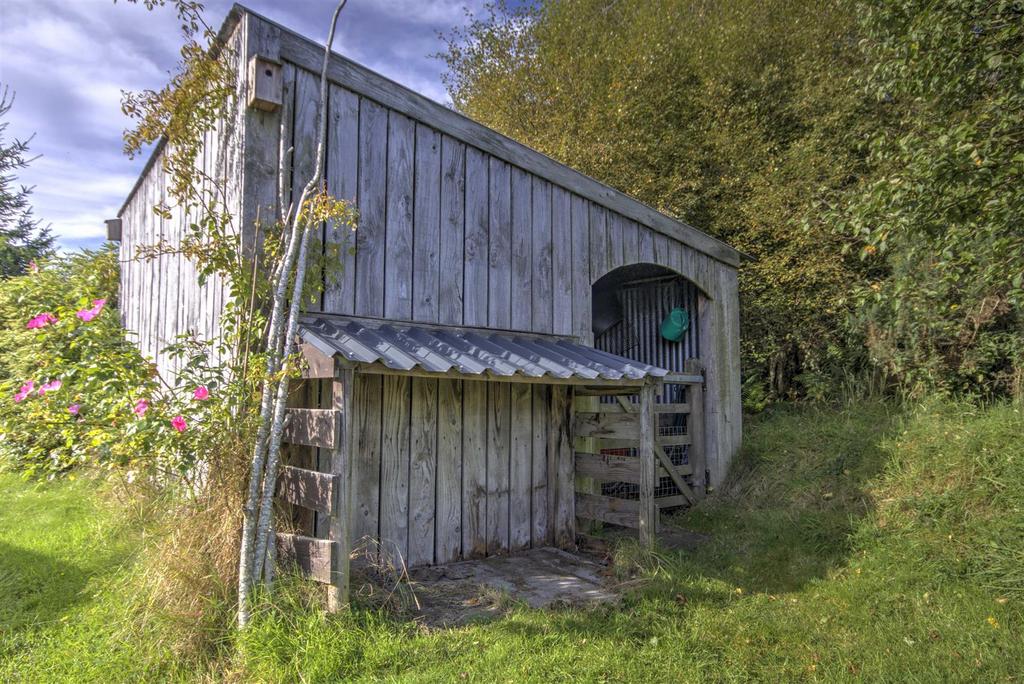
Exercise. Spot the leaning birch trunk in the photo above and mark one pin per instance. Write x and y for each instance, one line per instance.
(245, 577)
(255, 530)
(280, 406)
(275, 338)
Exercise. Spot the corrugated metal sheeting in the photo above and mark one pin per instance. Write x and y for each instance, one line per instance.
(407, 347)
(645, 305)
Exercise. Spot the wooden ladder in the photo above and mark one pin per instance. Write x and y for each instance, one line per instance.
(324, 492)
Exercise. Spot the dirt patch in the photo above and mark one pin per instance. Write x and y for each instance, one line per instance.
(468, 591)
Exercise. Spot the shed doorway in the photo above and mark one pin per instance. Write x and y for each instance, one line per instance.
(630, 305)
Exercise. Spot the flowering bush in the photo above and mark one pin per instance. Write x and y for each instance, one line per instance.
(75, 391)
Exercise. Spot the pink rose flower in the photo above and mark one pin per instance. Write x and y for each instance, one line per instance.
(201, 393)
(33, 267)
(41, 321)
(74, 408)
(87, 315)
(51, 386)
(141, 406)
(25, 390)
(179, 423)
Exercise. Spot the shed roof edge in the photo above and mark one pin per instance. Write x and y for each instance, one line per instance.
(231, 20)
(344, 71)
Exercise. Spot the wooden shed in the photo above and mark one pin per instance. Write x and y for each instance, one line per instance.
(489, 374)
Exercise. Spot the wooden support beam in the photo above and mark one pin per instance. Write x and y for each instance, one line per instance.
(689, 378)
(606, 425)
(585, 386)
(561, 468)
(306, 488)
(608, 509)
(611, 468)
(600, 443)
(310, 427)
(624, 406)
(674, 473)
(647, 512)
(671, 501)
(340, 525)
(695, 427)
(315, 364)
(314, 558)
(672, 440)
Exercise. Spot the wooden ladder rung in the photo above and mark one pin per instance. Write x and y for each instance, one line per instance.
(311, 427)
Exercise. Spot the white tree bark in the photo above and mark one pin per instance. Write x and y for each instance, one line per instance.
(280, 345)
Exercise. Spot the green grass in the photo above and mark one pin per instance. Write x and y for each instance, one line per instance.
(855, 544)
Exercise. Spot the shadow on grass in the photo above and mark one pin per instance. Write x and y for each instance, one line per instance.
(795, 495)
(785, 517)
(37, 588)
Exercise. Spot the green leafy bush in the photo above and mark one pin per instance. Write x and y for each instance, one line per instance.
(938, 211)
(730, 115)
(76, 391)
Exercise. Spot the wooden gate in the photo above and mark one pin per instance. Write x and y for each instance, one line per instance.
(639, 454)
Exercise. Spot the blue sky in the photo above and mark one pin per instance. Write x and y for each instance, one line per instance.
(68, 60)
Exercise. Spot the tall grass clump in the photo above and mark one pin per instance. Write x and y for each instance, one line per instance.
(954, 491)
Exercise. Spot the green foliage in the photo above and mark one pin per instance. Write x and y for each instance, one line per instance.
(185, 109)
(92, 418)
(938, 212)
(859, 544)
(797, 130)
(22, 238)
(730, 115)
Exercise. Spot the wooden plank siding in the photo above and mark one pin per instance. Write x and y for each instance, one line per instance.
(161, 299)
(451, 234)
(457, 226)
(465, 469)
(438, 215)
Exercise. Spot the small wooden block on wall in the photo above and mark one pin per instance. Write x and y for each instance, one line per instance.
(307, 488)
(313, 557)
(266, 84)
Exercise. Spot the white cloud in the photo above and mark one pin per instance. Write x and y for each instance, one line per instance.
(69, 61)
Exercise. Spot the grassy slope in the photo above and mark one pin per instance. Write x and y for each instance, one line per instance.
(848, 545)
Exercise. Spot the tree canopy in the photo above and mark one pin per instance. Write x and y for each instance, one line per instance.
(777, 126)
(23, 238)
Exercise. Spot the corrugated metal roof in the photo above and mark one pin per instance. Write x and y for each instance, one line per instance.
(406, 347)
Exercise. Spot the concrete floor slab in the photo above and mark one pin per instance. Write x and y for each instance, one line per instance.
(460, 592)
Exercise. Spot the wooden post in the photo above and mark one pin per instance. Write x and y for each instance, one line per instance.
(562, 468)
(583, 483)
(339, 529)
(695, 428)
(648, 511)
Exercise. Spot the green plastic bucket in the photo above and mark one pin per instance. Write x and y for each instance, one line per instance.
(675, 324)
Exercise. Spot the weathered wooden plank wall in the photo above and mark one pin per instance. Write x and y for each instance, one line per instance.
(457, 226)
(465, 469)
(449, 233)
(452, 234)
(161, 298)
